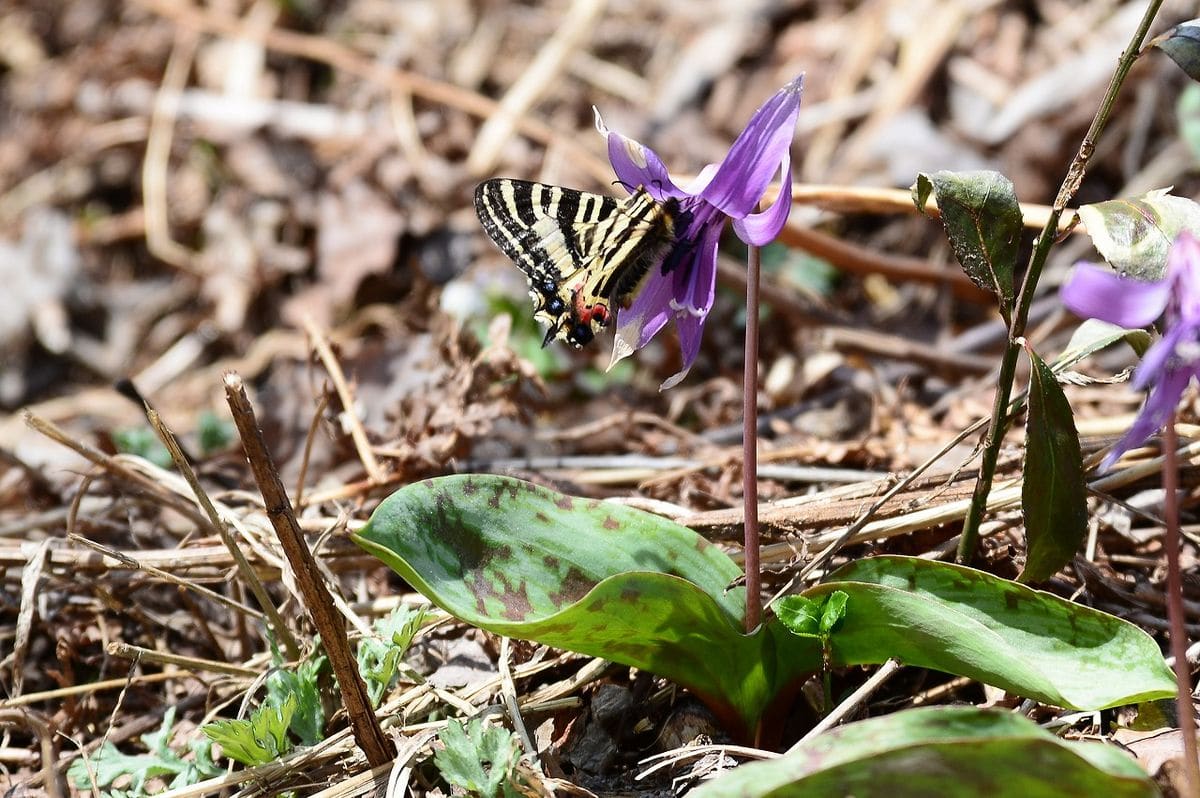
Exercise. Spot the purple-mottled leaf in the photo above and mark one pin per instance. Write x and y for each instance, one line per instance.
(983, 222)
(1053, 495)
(589, 576)
(968, 622)
(1182, 44)
(1135, 234)
(950, 752)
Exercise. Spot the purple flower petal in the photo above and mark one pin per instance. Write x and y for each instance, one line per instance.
(696, 283)
(752, 160)
(1183, 269)
(1158, 357)
(760, 229)
(1155, 412)
(1097, 292)
(645, 316)
(691, 330)
(638, 165)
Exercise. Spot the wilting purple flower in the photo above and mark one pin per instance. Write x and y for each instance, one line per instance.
(684, 286)
(1097, 292)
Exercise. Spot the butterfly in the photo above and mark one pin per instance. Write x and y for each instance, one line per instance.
(585, 254)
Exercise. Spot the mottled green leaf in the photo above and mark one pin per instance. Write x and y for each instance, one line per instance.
(1182, 44)
(942, 751)
(1053, 493)
(967, 622)
(589, 576)
(983, 223)
(1134, 234)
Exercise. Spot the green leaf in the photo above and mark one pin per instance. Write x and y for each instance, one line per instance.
(589, 576)
(808, 617)
(970, 623)
(1134, 234)
(1053, 494)
(379, 657)
(478, 758)
(256, 740)
(942, 751)
(308, 721)
(1093, 335)
(983, 222)
(1182, 44)
(108, 764)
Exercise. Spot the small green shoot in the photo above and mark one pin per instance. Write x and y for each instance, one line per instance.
(259, 739)
(379, 657)
(479, 759)
(817, 618)
(308, 722)
(108, 765)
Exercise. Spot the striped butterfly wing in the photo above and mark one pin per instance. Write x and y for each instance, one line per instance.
(584, 254)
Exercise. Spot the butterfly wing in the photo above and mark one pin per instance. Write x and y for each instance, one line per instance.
(582, 252)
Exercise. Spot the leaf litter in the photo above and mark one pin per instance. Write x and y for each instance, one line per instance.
(187, 189)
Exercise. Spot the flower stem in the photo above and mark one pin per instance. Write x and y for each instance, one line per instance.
(1175, 613)
(750, 443)
(1037, 260)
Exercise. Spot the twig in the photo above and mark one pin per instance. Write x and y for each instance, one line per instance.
(367, 731)
(508, 692)
(1037, 260)
(158, 153)
(194, 664)
(244, 568)
(357, 433)
(1176, 616)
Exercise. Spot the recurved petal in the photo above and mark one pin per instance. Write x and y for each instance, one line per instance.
(1162, 400)
(1097, 292)
(637, 165)
(760, 229)
(752, 160)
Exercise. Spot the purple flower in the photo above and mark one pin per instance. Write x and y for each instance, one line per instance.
(683, 286)
(1097, 292)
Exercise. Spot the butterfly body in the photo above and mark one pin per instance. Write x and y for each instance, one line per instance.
(584, 254)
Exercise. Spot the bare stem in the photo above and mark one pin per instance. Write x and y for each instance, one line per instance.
(1037, 260)
(750, 444)
(1175, 616)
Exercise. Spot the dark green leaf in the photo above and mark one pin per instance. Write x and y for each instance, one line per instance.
(1134, 234)
(983, 222)
(1053, 494)
(1182, 44)
(967, 622)
(943, 751)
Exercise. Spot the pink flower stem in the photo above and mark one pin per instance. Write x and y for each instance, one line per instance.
(1175, 612)
(750, 444)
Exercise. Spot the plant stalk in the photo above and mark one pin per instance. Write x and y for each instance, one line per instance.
(1037, 261)
(750, 443)
(1175, 611)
